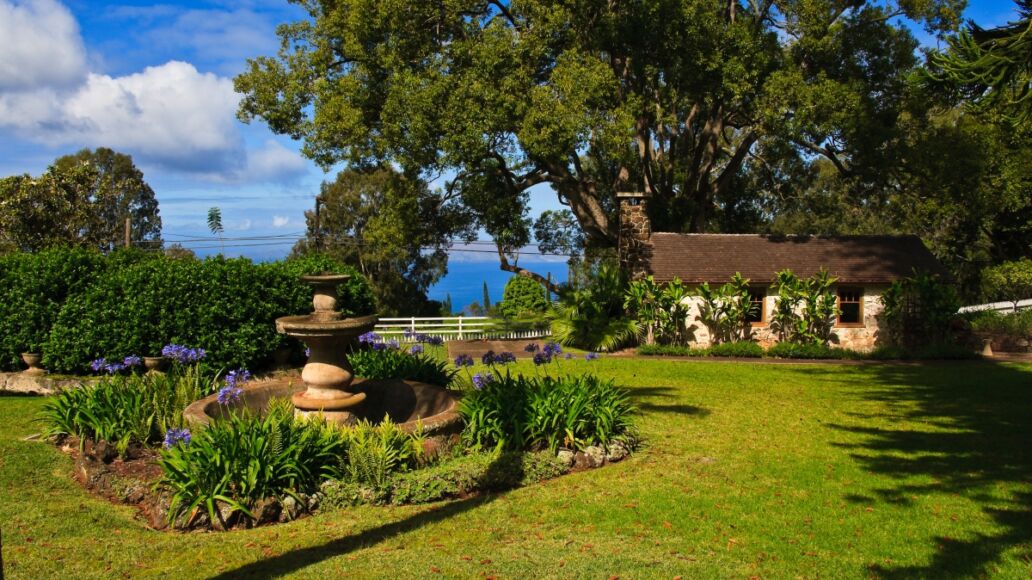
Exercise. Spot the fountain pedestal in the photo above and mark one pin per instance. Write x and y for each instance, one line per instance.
(327, 375)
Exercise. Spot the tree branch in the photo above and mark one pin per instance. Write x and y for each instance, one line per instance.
(504, 264)
(827, 152)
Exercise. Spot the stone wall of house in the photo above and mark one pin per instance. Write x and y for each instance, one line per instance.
(860, 338)
(635, 249)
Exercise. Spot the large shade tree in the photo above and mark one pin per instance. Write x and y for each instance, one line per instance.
(678, 98)
(82, 199)
(392, 228)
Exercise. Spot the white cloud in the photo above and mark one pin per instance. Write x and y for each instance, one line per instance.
(40, 46)
(242, 225)
(274, 162)
(280, 221)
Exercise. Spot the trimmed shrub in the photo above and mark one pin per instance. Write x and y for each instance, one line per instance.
(226, 306)
(810, 351)
(34, 288)
(739, 349)
(931, 352)
(1016, 324)
(520, 413)
(476, 472)
(523, 297)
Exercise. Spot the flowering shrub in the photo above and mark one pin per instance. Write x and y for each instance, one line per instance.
(182, 354)
(232, 390)
(526, 413)
(175, 437)
(128, 363)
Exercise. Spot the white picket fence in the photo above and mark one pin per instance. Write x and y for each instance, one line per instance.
(454, 328)
(999, 306)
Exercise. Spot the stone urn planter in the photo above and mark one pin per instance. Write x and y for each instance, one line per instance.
(155, 364)
(32, 360)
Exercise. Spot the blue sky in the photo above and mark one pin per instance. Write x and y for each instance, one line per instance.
(155, 81)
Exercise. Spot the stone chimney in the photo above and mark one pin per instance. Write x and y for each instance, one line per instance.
(635, 249)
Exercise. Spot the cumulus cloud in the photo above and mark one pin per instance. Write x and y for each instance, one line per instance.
(41, 46)
(280, 221)
(171, 116)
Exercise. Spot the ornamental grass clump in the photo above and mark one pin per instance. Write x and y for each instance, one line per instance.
(518, 413)
(393, 363)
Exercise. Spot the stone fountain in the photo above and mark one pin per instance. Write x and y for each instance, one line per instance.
(327, 384)
(327, 375)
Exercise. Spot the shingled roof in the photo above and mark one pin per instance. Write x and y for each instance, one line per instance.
(714, 258)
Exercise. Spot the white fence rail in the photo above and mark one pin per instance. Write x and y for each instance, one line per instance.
(999, 306)
(454, 328)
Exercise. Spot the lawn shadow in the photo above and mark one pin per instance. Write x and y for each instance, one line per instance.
(640, 393)
(301, 558)
(977, 439)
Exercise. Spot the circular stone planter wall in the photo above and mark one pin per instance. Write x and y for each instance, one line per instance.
(409, 404)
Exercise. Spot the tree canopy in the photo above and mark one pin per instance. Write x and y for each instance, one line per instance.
(82, 199)
(682, 99)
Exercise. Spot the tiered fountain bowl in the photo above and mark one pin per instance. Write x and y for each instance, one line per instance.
(327, 385)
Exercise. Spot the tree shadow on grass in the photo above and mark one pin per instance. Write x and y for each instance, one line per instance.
(639, 393)
(977, 439)
(507, 467)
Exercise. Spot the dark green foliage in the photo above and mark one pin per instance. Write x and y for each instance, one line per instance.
(927, 352)
(919, 310)
(226, 306)
(671, 350)
(522, 297)
(805, 309)
(243, 459)
(725, 309)
(739, 349)
(519, 413)
(1010, 281)
(395, 364)
(810, 351)
(375, 453)
(34, 287)
(126, 409)
(1017, 324)
(592, 316)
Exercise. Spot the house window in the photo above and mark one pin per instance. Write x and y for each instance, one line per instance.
(851, 307)
(757, 310)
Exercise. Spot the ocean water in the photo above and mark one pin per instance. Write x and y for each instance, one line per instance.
(465, 280)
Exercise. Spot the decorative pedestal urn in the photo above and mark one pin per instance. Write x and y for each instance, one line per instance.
(32, 360)
(327, 375)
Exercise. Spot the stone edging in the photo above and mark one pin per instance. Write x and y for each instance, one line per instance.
(38, 385)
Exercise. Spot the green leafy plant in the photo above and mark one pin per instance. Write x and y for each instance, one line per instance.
(805, 309)
(244, 458)
(725, 309)
(661, 310)
(919, 310)
(395, 364)
(737, 349)
(377, 452)
(522, 297)
(518, 412)
(810, 351)
(1015, 324)
(592, 317)
(1010, 281)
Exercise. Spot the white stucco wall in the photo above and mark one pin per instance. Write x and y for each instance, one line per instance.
(863, 338)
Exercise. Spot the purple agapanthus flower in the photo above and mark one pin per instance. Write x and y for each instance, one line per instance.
(532, 347)
(174, 437)
(488, 358)
(433, 340)
(393, 344)
(480, 380)
(308, 352)
(369, 338)
(132, 361)
(568, 356)
(416, 349)
(504, 358)
(552, 348)
(238, 377)
(463, 360)
(378, 346)
(114, 368)
(98, 365)
(182, 354)
(229, 394)
(591, 356)
(542, 358)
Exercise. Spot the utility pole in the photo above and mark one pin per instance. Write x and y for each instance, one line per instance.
(318, 223)
(128, 229)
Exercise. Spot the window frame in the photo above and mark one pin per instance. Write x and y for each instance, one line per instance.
(859, 291)
(763, 307)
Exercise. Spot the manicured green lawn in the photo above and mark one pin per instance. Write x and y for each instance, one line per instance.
(750, 470)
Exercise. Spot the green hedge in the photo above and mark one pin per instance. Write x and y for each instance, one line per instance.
(78, 305)
(789, 350)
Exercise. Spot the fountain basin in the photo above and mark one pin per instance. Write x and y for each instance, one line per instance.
(409, 404)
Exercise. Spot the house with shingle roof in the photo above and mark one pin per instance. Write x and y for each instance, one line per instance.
(863, 268)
